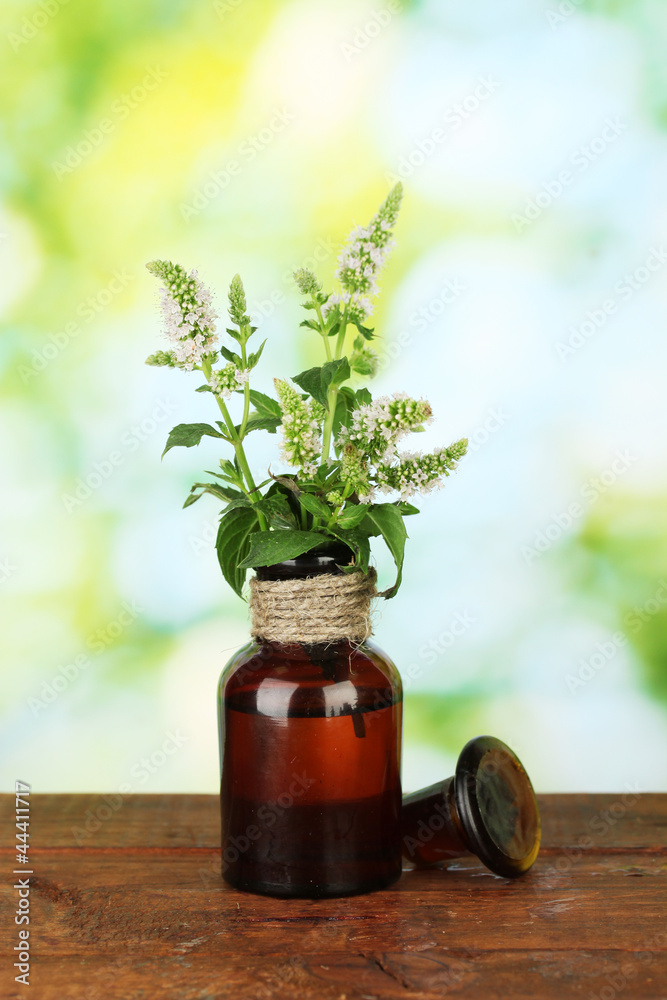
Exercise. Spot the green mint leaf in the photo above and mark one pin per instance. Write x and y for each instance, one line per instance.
(363, 397)
(316, 381)
(366, 332)
(226, 479)
(287, 481)
(230, 356)
(187, 435)
(333, 478)
(315, 506)
(242, 501)
(385, 519)
(233, 542)
(357, 540)
(311, 382)
(256, 422)
(230, 474)
(339, 371)
(406, 508)
(235, 335)
(270, 547)
(218, 475)
(192, 498)
(341, 418)
(229, 468)
(265, 405)
(254, 358)
(362, 366)
(352, 516)
(221, 492)
(345, 403)
(278, 510)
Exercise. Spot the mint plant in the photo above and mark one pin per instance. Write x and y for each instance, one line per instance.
(340, 444)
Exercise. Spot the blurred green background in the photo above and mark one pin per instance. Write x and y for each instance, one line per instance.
(526, 299)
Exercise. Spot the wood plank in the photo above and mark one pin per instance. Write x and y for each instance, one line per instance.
(199, 868)
(77, 920)
(383, 975)
(626, 820)
(117, 821)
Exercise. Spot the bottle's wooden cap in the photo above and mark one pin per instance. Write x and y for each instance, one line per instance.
(496, 806)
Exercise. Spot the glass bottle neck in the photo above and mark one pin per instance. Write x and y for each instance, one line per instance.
(328, 559)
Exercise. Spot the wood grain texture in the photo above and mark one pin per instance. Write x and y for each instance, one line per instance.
(127, 902)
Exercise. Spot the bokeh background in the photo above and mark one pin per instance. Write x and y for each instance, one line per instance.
(526, 299)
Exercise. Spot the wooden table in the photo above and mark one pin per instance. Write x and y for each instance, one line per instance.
(138, 910)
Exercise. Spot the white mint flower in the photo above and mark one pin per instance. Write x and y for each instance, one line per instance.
(306, 281)
(363, 257)
(377, 427)
(417, 473)
(187, 311)
(224, 381)
(301, 428)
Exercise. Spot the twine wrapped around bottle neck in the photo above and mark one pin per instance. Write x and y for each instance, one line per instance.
(324, 608)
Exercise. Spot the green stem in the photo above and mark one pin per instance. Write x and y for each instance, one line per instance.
(332, 394)
(237, 444)
(325, 338)
(253, 492)
(246, 396)
(340, 340)
(327, 348)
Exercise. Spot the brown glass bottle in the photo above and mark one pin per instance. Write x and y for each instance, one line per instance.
(310, 744)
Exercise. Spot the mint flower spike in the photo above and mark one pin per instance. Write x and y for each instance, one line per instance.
(161, 358)
(354, 471)
(224, 381)
(363, 257)
(189, 318)
(238, 307)
(301, 428)
(417, 473)
(377, 427)
(306, 281)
